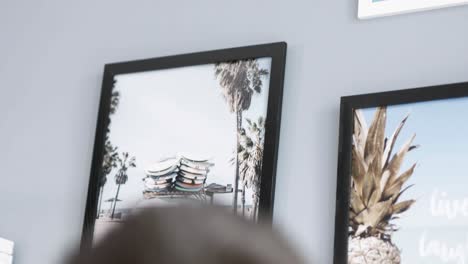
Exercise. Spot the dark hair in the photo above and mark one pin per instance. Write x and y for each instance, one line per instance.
(189, 235)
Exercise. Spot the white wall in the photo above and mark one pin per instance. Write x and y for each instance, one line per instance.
(51, 60)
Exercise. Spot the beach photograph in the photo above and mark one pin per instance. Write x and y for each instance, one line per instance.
(181, 136)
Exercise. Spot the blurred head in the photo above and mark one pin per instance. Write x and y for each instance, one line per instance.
(189, 235)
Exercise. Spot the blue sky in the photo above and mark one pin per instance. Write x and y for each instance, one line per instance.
(441, 129)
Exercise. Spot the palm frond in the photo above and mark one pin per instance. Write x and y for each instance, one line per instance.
(239, 80)
(124, 163)
(250, 154)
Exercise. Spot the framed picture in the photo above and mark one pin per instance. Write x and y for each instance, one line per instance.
(377, 8)
(6, 251)
(200, 127)
(402, 180)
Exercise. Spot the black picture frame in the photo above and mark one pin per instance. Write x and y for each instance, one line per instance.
(275, 51)
(348, 105)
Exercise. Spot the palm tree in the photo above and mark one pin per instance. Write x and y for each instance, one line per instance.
(110, 151)
(121, 177)
(114, 103)
(250, 158)
(108, 164)
(239, 80)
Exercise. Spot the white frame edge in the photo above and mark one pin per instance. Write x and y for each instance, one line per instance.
(6, 251)
(367, 9)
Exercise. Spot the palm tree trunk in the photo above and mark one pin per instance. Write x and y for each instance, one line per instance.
(255, 209)
(100, 202)
(243, 199)
(115, 201)
(236, 182)
(257, 203)
(258, 187)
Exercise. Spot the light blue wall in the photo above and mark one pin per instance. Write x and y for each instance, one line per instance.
(51, 60)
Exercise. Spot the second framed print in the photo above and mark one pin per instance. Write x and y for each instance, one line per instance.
(377, 8)
(402, 181)
(200, 127)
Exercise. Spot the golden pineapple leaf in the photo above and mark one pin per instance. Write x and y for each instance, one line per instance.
(360, 131)
(375, 197)
(376, 135)
(384, 180)
(391, 142)
(373, 215)
(405, 175)
(374, 172)
(358, 170)
(361, 229)
(402, 206)
(393, 188)
(368, 187)
(395, 163)
(356, 204)
(401, 192)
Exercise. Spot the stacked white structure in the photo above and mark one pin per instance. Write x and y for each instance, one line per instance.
(192, 174)
(160, 176)
(183, 173)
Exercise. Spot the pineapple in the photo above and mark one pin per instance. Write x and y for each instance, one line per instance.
(376, 186)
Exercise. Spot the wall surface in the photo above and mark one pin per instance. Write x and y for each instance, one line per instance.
(51, 60)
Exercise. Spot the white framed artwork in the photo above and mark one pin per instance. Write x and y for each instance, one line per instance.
(6, 251)
(376, 8)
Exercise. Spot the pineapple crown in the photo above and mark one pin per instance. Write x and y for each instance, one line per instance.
(376, 182)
